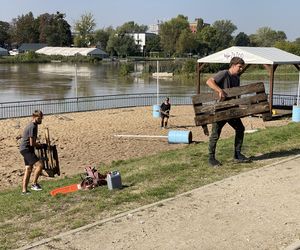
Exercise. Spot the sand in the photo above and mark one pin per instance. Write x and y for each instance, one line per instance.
(89, 138)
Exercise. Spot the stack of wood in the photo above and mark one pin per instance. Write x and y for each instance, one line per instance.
(49, 156)
(240, 102)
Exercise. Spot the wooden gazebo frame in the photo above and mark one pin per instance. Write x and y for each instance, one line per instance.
(269, 57)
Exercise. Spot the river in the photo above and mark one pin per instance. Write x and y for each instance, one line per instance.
(21, 82)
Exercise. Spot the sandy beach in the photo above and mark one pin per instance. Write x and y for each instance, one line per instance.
(88, 138)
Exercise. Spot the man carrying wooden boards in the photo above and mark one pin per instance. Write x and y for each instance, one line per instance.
(227, 79)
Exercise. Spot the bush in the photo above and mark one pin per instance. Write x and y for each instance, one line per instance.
(126, 69)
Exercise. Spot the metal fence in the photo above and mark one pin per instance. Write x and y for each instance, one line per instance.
(80, 104)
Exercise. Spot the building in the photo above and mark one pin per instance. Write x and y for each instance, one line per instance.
(140, 39)
(194, 25)
(154, 28)
(3, 52)
(26, 47)
(67, 51)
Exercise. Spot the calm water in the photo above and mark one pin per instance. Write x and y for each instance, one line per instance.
(22, 82)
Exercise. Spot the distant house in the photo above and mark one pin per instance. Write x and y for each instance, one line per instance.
(141, 39)
(67, 51)
(3, 52)
(25, 47)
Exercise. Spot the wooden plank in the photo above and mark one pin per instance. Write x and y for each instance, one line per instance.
(247, 100)
(231, 92)
(237, 112)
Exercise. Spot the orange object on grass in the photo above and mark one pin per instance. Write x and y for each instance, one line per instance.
(65, 190)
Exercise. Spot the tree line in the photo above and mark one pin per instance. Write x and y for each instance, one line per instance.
(175, 38)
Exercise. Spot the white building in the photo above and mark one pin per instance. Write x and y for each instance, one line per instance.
(67, 51)
(141, 39)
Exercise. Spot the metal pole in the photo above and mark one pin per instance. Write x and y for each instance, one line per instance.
(76, 86)
(157, 83)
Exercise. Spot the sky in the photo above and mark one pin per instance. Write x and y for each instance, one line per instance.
(248, 16)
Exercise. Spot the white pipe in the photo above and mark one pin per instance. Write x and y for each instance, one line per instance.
(298, 90)
(143, 136)
(76, 85)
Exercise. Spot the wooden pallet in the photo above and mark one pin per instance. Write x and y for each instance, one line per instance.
(49, 157)
(241, 102)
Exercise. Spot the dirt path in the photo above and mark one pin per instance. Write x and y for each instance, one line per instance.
(258, 209)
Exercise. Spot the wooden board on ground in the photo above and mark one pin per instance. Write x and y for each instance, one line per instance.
(242, 101)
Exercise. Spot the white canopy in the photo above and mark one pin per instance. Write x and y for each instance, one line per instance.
(252, 55)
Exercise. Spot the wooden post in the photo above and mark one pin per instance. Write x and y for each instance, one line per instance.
(271, 70)
(199, 67)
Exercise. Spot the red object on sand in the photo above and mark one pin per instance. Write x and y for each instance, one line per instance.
(66, 189)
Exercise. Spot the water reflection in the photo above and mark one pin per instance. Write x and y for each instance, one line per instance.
(57, 80)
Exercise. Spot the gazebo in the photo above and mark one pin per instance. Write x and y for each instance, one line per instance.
(269, 57)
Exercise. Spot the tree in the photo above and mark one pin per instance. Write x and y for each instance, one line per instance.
(122, 45)
(186, 42)
(241, 39)
(131, 27)
(102, 36)
(291, 47)
(54, 30)
(266, 37)
(207, 40)
(224, 30)
(4, 34)
(153, 44)
(84, 29)
(24, 29)
(170, 32)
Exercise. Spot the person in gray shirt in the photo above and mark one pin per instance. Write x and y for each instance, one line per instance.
(227, 79)
(27, 150)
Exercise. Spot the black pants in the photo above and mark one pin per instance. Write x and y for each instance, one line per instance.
(236, 124)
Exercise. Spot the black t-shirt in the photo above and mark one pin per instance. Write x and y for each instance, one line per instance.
(165, 107)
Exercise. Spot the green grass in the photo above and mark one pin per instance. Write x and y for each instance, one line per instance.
(25, 219)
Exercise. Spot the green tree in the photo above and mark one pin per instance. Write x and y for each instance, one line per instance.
(131, 27)
(224, 30)
(266, 37)
(24, 29)
(207, 41)
(242, 39)
(4, 34)
(84, 29)
(292, 47)
(153, 44)
(54, 30)
(170, 32)
(186, 42)
(121, 45)
(102, 36)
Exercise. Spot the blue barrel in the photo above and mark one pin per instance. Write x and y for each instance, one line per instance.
(296, 113)
(156, 111)
(180, 136)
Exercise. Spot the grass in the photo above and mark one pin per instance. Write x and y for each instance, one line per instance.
(26, 219)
